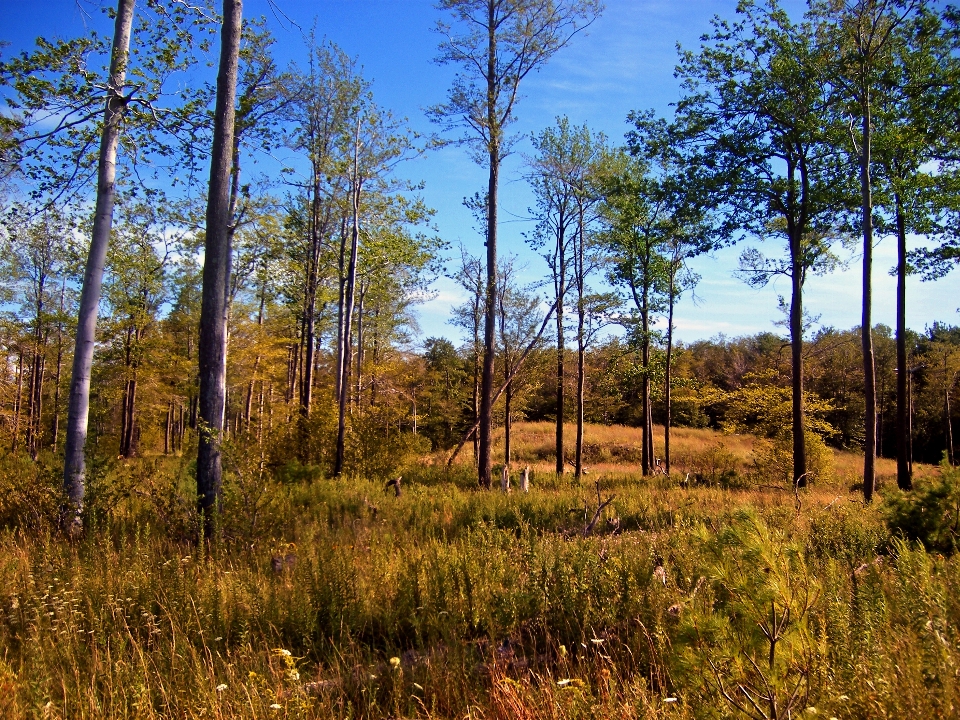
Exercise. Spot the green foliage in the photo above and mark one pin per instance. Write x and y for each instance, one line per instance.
(30, 494)
(378, 450)
(847, 533)
(746, 642)
(716, 466)
(930, 514)
(762, 405)
(773, 459)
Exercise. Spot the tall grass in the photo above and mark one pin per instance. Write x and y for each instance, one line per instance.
(448, 602)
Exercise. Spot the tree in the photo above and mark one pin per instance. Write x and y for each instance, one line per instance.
(134, 290)
(74, 463)
(216, 274)
(379, 144)
(637, 219)
(914, 128)
(756, 100)
(325, 107)
(55, 98)
(690, 230)
(593, 308)
(518, 315)
(560, 157)
(469, 316)
(501, 43)
(861, 34)
(35, 266)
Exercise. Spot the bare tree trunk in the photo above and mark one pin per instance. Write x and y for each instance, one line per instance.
(358, 385)
(581, 279)
(36, 396)
(341, 302)
(559, 386)
(668, 405)
(476, 398)
(215, 274)
(507, 409)
(123, 419)
(168, 429)
(128, 442)
(946, 402)
(260, 415)
(904, 479)
(910, 421)
(485, 445)
(866, 328)
(348, 309)
(18, 403)
(484, 461)
(74, 464)
(796, 358)
(646, 452)
(55, 420)
(948, 423)
(310, 304)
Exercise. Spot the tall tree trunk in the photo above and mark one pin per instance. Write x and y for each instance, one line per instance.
(646, 452)
(341, 302)
(122, 449)
(129, 440)
(581, 343)
(667, 403)
(866, 332)
(948, 423)
(476, 397)
(796, 359)
(74, 463)
(260, 415)
(36, 391)
(348, 310)
(18, 402)
(904, 479)
(310, 304)
(213, 313)
(358, 385)
(581, 384)
(168, 429)
(559, 379)
(484, 461)
(55, 420)
(507, 423)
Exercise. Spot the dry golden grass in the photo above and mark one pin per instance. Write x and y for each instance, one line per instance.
(616, 449)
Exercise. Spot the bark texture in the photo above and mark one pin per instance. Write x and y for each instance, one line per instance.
(216, 269)
(74, 462)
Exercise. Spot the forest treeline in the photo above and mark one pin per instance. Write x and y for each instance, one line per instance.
(226, 298)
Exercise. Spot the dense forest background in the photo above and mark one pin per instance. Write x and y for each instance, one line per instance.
(328, 258)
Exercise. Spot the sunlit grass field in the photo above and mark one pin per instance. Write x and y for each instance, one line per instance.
(616, 449)
(345, 601)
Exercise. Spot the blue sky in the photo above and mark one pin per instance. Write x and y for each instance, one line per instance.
(624, 62)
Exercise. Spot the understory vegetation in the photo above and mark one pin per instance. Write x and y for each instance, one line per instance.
(333, 598)
(238, 481)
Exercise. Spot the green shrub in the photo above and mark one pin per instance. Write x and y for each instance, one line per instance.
(773, 459)
(745, 643)
(30, 493)
(848, 533)
(716, 467)
(930, 514)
